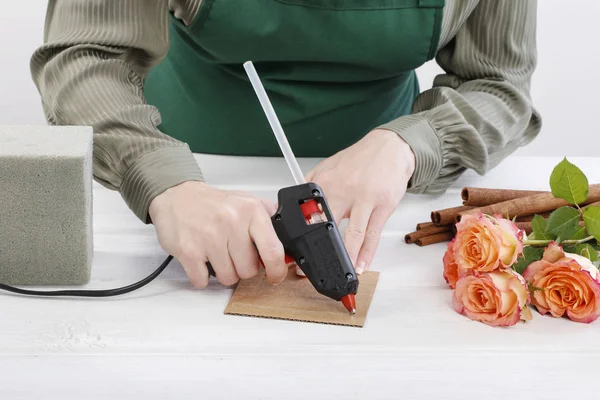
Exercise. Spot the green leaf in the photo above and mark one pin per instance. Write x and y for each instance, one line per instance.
(575, 232)
(580, 233)
(569, 183)
(530, 254)
(587, 251)
(591, 217)
(561, 220)
(538, 224)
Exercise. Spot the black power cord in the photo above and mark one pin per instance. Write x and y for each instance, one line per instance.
(92, 293)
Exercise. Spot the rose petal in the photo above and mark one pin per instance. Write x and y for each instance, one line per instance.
(553, 252)
(451, 273)
(585, 263)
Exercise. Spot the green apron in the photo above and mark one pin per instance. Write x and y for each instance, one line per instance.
(333, 69)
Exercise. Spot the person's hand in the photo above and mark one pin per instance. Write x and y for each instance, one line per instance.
(365, 183)
(196, 223)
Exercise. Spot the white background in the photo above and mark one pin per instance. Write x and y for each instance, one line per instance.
(565, 84)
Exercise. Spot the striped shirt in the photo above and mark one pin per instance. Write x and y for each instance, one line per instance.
(96, 53)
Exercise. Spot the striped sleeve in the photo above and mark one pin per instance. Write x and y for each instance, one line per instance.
(479, 111)
(90, 71)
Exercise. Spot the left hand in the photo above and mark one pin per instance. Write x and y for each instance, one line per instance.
(365, 183)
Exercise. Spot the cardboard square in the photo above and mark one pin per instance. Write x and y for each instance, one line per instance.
(296, 299)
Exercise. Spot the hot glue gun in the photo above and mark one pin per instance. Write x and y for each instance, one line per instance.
(304, 224)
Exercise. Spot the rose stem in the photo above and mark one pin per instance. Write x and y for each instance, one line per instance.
(547, 242)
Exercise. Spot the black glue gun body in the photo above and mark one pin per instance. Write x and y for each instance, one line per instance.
(309, 234)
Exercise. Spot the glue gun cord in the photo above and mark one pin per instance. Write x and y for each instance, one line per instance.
(91, 293)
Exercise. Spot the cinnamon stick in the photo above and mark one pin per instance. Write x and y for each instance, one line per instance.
(527, 205)
(596, 204)
(520, 218)
(448, 215)
(479, 197)
(425, 225)
(436, 238)
(414, 236)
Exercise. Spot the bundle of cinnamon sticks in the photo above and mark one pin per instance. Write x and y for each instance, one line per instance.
(521, 205)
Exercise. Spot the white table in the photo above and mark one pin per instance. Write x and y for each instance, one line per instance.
(170, 341)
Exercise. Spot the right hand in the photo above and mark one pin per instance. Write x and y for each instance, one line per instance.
(196, 223)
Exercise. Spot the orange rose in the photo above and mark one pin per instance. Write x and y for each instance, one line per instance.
(451, 273)
(512, 241)
(497, 298)
(486, 244)
(565, 284)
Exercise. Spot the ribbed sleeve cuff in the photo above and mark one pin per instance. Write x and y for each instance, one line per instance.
(156, 172)
(418, 133)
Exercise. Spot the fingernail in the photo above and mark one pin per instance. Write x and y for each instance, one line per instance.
(299, 272)
(361, 267)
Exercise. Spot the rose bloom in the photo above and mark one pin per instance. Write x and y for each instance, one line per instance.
(485, 244)
(451, 273)
(498, 298)
(565, 284)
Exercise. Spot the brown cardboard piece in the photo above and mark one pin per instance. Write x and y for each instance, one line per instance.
(296, 299)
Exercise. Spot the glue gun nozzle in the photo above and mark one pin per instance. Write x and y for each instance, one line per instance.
(349, 302)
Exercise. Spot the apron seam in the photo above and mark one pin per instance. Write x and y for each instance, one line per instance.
(356, 8)
(437, 25)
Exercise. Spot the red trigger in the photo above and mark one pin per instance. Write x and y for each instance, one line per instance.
(309, 208)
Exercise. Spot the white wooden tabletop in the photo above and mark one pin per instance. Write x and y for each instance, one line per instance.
(169, 340)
